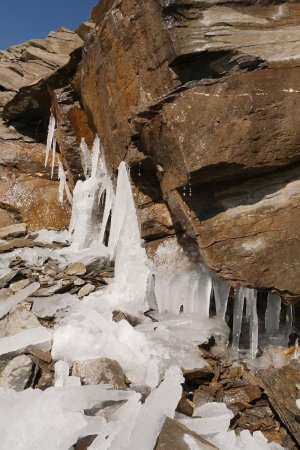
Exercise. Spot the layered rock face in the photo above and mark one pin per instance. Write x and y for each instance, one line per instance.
(203, 100)
(28, 74)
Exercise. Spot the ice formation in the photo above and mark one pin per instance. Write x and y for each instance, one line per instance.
(125, 245)
(86, 158)
(51, 420)
(53, 156)
(63, 185)
(39, 336)
(89, 216)
(272, 320)
(250, 297)
(50, 137)
(175, 288)
(19, 297)
(45, 307)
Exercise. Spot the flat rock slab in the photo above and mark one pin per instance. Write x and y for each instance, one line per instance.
(22, 243)
(280, 386)
(16, 230)
(175, 436)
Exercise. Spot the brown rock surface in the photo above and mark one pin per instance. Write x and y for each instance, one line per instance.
(26, 191)
(205, 96)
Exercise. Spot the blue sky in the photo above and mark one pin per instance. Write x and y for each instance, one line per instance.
(21, 20)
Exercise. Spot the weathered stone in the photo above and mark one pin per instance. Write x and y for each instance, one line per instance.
(16, 321)
(15, 287)
(201, 396)
(172, 438)
(16, 230)
(6, 279)
(86, 290)
(280, 386)
(5, 293)
(17, 374)
(199, 375)
(38, 353)
(46, 380)
(76, 268)
(100, 371)
(186, 406)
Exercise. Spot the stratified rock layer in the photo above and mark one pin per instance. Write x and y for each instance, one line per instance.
(28, 73)
(205, 97)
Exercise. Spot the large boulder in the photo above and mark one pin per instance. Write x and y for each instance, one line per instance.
(203, 99)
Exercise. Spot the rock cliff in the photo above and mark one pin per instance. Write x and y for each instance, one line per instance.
(203, 98)
(202, 101)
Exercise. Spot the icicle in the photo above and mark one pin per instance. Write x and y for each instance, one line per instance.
(205, 283)
(53, 156)
(50, 136)
(95, 157)
(297, 350)
(289, 318)
(151, 292)
(254, 322)
(139, 172)
(131, 262)
(86, 158)
(63, 185)
(237, 317)
(221, 291)
(272, 317)
(184, 191)
(89, 216)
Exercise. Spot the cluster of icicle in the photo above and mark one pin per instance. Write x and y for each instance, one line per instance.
(150, 354)
(51, 147)
(163, 286)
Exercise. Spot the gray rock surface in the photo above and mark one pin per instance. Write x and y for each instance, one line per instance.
(17, 374)
(100, 371)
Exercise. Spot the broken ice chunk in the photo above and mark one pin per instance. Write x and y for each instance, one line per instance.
(160, 404)
(34, 336)
(13, 300)
(48, 306)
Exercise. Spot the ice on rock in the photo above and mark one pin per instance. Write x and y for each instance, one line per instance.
(86, 158)
(48, 306)
(215, 418)
(298, 403)
(89, 217)
(53, 157)
(213, 409)
(87, 334)
(179, 283)
(63, 185)
(272, 318)
(254, 323)
(39, 336)
(125, 246)
(221, 293)
(238, 316)
(61, 376)
(50, 137)
(152, 378)
(49, 236)
(160, 404)
(19, 297)
(117, 433)
(50, 420)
